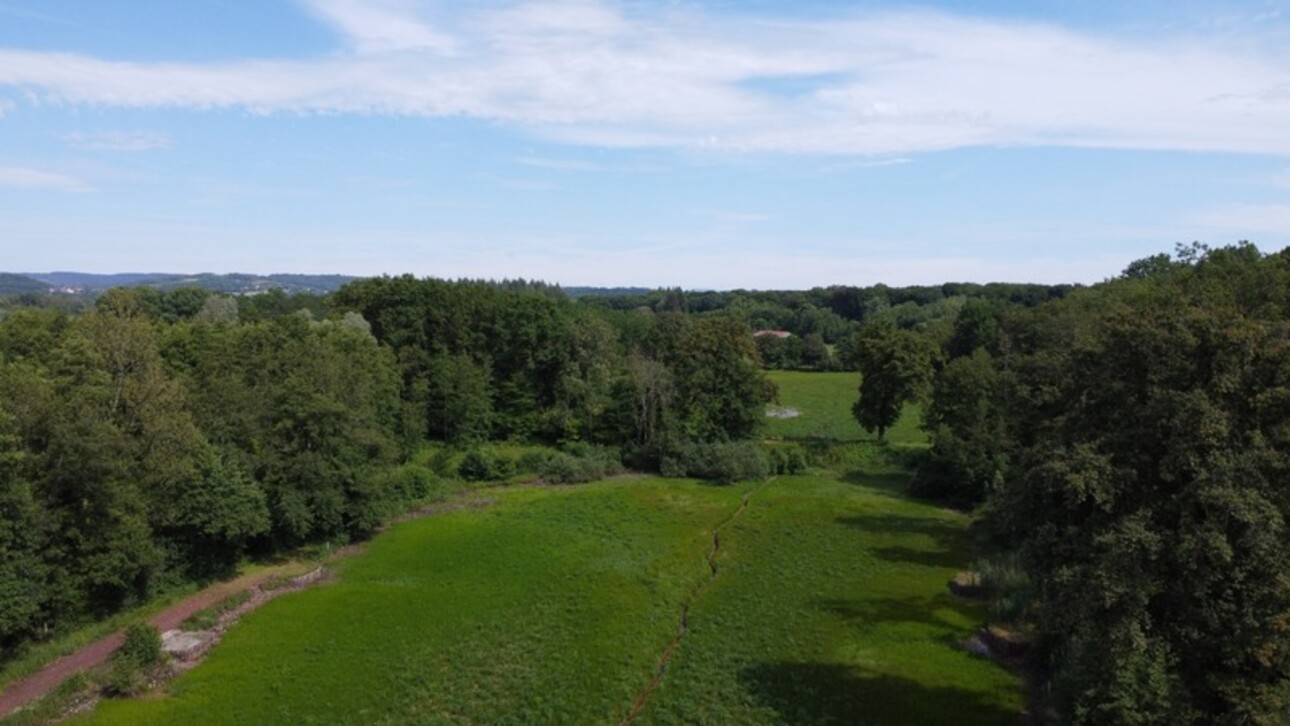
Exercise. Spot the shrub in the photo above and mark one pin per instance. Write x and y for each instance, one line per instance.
(409, 482)
(726, 462)
(534, 461)
(485, 465)
(128, 671)
(581, 464)
(142, 646)
(789, 459)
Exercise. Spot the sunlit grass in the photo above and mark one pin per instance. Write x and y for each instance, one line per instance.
(823, 402)
(554, 604)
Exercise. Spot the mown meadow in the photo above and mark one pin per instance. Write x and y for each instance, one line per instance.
(820, 599)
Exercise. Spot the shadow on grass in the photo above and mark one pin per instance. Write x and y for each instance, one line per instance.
(925, 558)
(825, 693)
(870, 613)
(893, 483)
(946, 540)
(945, 533)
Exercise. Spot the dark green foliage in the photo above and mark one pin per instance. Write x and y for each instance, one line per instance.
(458, 406)
(161, 437)
(720, 391)
(1131, 443)
(518, 361)
(975, 327)
(723, 462)
(217, 513)
(579, 465)
(895, 367)
(138, 453)
(968, 457)
(129, 670)
(786, 459)
(22, 569)
(408, 482)
(142, 646)
(484, 464)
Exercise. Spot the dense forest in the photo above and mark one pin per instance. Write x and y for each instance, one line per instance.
(1128, 446)
(1124, 445)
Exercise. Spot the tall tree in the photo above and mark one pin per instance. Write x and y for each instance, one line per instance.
(895, 367)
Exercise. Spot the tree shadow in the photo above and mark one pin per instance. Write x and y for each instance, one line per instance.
(924, 558)
(945, 541)
(869, 613)
(827, 693)
(945, 534)
(895, 484)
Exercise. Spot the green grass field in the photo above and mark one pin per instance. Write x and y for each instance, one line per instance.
(554, 605)
(824, 401)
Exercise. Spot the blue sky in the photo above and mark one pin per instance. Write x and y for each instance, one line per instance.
(706, 144)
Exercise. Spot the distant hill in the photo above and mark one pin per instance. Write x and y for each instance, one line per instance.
(11, 284)
(232, 283)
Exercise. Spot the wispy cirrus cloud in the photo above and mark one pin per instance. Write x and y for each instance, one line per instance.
(118, 140)
(606, 74)
(18, 177)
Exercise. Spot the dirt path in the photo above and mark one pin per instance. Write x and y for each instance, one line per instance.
(684, 626)
(32, 687)
(40, 683)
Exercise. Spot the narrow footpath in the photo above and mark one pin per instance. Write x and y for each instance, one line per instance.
(38, 684)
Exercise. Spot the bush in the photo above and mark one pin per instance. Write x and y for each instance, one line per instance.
(127, 674)
(581, 464)
(534, 461)
(789, 459)
(485, 465)
(142, 646)
(408, 482)
(727, 462)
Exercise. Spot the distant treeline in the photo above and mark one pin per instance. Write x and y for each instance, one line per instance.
(824, 322)
(1129, 448)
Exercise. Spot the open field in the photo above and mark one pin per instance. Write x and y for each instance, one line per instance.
(824, 403)
(820, 599)
(554, 605)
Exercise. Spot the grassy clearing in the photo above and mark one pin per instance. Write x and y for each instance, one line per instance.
(824, 401)
(550, 606)
(554, 605)
(831, 607)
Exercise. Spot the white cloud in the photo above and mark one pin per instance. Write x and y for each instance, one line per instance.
(381, 26)
(118, 140)
(23, 178)
(590, 72)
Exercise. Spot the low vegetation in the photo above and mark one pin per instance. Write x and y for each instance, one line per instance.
(806, 599)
